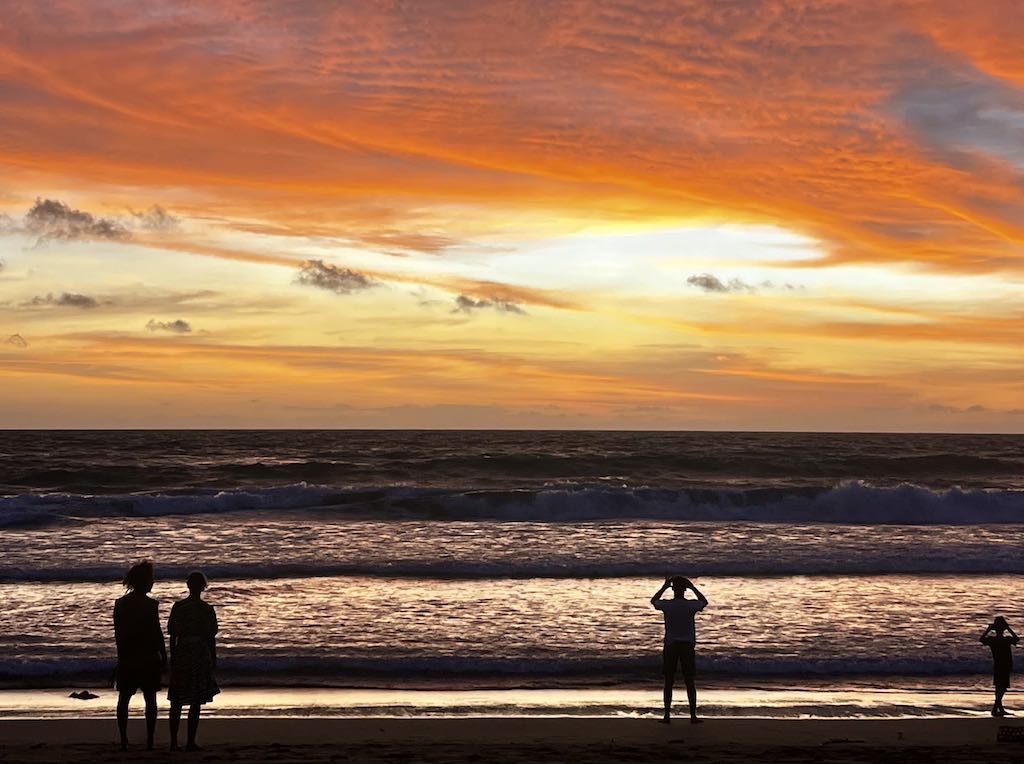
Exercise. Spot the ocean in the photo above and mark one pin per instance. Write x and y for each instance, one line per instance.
(854, 567)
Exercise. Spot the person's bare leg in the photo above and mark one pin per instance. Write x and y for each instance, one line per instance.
(668, 699)
(193, 726)
(150, 696)
(691, 697)
(122, 718)
(175, 723)
(997, 707)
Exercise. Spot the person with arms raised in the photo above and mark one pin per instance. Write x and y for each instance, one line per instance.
(1001, 644)
(680, 639)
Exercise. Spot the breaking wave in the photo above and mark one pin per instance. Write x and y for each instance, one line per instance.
(848, 503)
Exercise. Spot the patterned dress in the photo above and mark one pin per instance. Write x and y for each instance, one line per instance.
(192, 626)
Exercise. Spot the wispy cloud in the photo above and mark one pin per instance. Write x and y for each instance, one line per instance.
(333, 278)
(64, 299)
(17, 340)
(178, 326)
(156, 219)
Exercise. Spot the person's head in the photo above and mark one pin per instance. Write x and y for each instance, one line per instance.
(1000, 624)
(139, 577)
(196, 583)
(679, 585)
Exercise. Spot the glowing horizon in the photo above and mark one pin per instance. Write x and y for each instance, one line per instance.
(659, 215)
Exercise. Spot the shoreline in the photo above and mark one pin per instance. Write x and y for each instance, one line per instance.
(523, 740)
(780, 702)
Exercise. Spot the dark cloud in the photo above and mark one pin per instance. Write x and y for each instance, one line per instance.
(711, 283)
(959, 112)
(466, 304)
(177, 326)
(64, 299)
(51, 219)
(317, 273)
(156, 219)
(976, 409)
(17, 340)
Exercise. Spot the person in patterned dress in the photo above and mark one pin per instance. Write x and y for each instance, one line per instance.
(192, 627)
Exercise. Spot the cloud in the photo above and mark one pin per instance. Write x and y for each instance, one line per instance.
(52, 219)
(466, 304)
(317, 273)
(177, 326)
(156, 219)
(976, 409)
(65, 299)
(711, 283)
(17, 340)
(403, 242)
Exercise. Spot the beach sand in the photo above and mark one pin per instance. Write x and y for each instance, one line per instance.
(523, 740)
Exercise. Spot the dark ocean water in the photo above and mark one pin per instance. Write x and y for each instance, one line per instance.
(446, 557)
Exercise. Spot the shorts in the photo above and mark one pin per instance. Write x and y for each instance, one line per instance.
(138, 673)
(681, 654)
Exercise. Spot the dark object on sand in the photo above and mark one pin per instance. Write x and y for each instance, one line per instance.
(1007, 734)
(83, 695)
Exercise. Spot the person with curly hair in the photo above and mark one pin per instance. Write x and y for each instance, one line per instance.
(141, 652)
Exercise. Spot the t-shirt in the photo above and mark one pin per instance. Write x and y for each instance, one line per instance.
(137, 627)
(679, 613)
(1002, 656)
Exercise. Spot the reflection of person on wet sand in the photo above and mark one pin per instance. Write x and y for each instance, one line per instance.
(1002, 659)
(680, 639)
(141, 653)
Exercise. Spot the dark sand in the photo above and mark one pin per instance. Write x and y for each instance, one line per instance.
(524, 740)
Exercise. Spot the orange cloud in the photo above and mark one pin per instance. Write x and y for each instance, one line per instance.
(767, 112)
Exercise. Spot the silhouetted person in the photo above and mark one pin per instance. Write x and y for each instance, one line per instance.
(141, 654)
(192, 628)
(1002, 658)
(680, 639)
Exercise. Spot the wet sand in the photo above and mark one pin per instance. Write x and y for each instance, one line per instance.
(523, 740)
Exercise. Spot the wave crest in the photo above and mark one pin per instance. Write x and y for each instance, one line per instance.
(848, 503)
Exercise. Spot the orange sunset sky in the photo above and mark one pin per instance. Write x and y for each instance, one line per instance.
(785, 214)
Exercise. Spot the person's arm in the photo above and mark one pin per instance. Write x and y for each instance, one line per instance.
(984, 634)
(664, 588)
(172, 629)
(1013, 635)
(700, 597)
(118, 628)
(213, 638)
(158, 635)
